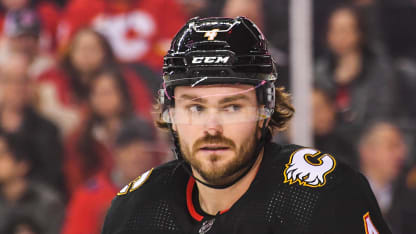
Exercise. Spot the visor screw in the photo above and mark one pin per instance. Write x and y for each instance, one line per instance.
(222, 73)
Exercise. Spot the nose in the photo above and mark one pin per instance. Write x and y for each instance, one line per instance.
(213, 124)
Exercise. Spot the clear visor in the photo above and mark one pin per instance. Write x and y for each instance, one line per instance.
(218, 104)
(200, 115)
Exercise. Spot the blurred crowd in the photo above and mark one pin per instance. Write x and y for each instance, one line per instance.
(78, 79)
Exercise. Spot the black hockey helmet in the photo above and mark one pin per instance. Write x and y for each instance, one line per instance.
(219, 51)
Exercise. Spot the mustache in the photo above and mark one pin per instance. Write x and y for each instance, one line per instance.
(213, 139)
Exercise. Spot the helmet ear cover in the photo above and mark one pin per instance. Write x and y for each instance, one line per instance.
(266, 95)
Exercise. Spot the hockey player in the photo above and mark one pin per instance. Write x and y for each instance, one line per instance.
(220, 103)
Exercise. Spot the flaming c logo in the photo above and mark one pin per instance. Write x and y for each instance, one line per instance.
(302, 170)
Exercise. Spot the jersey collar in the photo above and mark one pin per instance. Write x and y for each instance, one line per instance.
(190, 204)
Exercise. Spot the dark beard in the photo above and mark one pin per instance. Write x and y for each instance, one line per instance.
(227, 173)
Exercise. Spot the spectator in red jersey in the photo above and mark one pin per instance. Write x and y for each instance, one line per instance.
(139, 31)
(63, 91)
(133, 155)
(89, 146)
(46, 10)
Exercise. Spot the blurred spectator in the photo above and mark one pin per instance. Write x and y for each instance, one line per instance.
(194, 8)
(134, 153)
(403, 214)
(359, 78)
(22, 30)
(382, 153)
(89, 146)
(371, 16)
(406, 114)
(20, 224)
(406, 80)
(371, 12)
(20, 194)
(328, 136)
(252, 9)
(272, 17)
(139, 31)
(17, 115)
(47, 12)
(397, 20)
(63, 91)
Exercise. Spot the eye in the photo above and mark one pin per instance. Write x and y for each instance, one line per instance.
(232, 108)
(195, 108)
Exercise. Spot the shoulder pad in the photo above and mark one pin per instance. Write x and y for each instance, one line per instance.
(308, 167)
(135, 184)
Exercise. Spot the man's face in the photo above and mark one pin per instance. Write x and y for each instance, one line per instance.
(386, 151)
(25, 44)
(217, 129)
(135, 158)
(15, 87)
(14, 4)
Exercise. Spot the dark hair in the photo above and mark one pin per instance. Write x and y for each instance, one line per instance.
(18, 219)
(86, 141)
(80, 89)
(372, 125)
(366, 50)
(359, 18)
(116, 74)
(136, 129)
(283, 112)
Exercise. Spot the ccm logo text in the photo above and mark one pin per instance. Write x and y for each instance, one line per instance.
(214, 59)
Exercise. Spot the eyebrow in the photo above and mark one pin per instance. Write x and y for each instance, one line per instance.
(192, 98)
(233, 98)
(222, 101)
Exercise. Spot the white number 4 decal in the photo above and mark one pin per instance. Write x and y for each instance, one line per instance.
(368, 225)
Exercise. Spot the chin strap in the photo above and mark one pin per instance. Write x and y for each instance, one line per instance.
(260, 145)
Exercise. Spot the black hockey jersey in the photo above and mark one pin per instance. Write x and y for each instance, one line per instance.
(296, 191)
